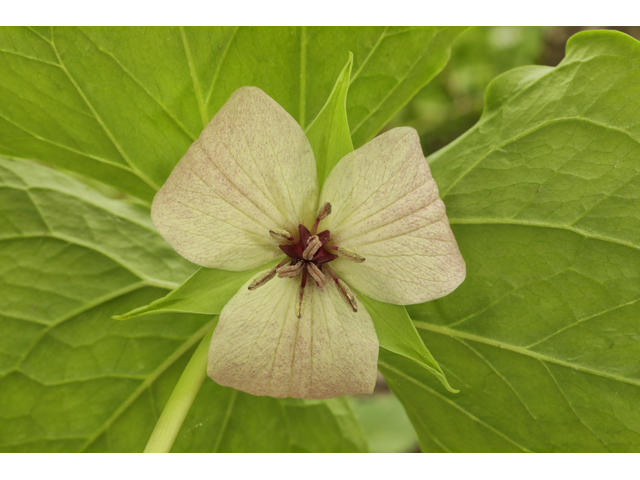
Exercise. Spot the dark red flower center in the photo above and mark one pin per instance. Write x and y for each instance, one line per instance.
(296, 251)
(309, 257)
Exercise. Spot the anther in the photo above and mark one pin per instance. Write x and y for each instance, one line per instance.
(347, 295)
(347, 254)
(291, 270)
(317, 274)
(313, 245)
(266, 276)
(345, 292)
(323, 213)
(300, 302)
(281, 235)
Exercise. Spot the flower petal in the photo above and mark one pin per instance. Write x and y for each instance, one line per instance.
(252, 170)
(386, 208)
(259, 345)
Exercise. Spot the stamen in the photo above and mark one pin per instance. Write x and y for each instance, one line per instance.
(347, 254)
(300, 302)
(281, 235)
(313, 246)
(345, 291)
(323, 213)
(290, 270)
(266, 276)
(317, 274)
(347, 295)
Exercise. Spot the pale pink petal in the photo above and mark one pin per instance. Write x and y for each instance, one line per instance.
(261, 347)
(252, 170)
(386, 208)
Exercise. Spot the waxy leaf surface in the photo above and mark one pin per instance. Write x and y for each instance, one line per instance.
(543, 197)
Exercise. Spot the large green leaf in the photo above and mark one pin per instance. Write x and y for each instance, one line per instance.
(542, 194)
(122, 105)
(72, 379)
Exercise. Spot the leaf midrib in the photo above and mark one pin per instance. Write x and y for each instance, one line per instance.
(194, 78)
(519, 350)
(531, 223)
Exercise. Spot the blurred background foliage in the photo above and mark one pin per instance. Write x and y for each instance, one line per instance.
(452, 103)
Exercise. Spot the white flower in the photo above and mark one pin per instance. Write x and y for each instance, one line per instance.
(246, 192)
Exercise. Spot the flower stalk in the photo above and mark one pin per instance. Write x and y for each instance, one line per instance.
(182, 397)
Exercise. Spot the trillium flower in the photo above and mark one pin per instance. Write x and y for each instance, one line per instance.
(247, 193)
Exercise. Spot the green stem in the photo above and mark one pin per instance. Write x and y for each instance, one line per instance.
(182, 397)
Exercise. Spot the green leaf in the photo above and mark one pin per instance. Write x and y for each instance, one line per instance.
(400, 62)
(329, 133)
(207, 291)
(398, 335)
(72, 379)
(122, 105)
(542, 195)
